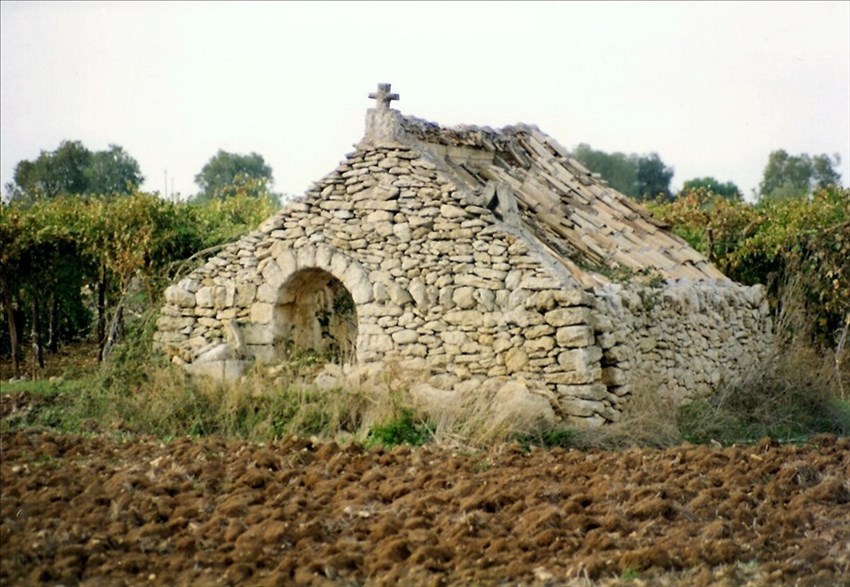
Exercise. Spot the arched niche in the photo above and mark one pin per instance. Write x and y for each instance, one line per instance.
(316, 314)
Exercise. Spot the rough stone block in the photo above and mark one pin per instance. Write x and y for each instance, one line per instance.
(405, 336)
(180, 297)
(262, 313)
(580, 359)
(568, 316)
(574, 336)
(516, 360)
(463, 317)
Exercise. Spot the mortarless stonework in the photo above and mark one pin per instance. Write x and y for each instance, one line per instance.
(468, 256)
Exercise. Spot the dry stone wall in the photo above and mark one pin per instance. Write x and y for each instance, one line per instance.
(438, 284)
(402, 256)
(684, 339)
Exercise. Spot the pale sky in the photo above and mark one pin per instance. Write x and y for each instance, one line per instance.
(713, 88)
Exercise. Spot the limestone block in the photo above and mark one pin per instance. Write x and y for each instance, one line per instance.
(580, 360)
(538, 331)
(541, 344)
(285, 258)
(339, 264)
(377, 343)
(523, 318)
(451, 211)
(591, 374)
(534, 283)
(596, 391)
(403, 232)
(574, 336)
(519, 409)
(204, 297)
(224, 370)
(323, 257)
(513, 278)
(378, 216)
(189, 284)
(477, 281)
(568, 316)
(257, 334)
(405, 336)
(262, 313)
(418, 292)
(245, 294)
(174, 323)
(573, 297)
(454, 337)
(398, 294)
(580, 407)
(501, 344)
(463, 297)
(361, 290)
(273, 275)
(214, 353)
(267, 293)
(463, 317)
(516, 360)
(180, 297)
(306, 257)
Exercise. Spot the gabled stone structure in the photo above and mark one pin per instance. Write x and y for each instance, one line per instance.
(466, 255)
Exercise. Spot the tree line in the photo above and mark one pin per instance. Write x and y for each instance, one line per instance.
(73, 169)
(647, 177)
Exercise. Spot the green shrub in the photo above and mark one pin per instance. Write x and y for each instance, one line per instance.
(402, 429)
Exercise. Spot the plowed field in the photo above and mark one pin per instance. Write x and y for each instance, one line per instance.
(98, 511)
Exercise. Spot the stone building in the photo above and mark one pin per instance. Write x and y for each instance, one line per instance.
(470, 255)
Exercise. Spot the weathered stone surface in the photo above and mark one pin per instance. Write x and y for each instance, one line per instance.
(574, 336)
(180, 297)
(465, 284)
(516, 360)
(568, 316)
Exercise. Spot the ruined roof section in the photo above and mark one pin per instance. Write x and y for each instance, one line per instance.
(595, 231)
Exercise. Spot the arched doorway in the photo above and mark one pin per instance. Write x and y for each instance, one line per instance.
(316, 314)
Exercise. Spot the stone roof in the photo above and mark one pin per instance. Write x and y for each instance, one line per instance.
(527, 178)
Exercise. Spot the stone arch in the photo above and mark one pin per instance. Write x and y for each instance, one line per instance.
(316, 313)
(310, 299)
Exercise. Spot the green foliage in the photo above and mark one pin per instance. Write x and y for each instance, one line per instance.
(73, 170)
(61, 258)
(637, 176)
(728, 189)
(550, 436)
(774, 242)
(792, 176)
(227, 174)
(653, 177)
(401, 429)
(112, 171)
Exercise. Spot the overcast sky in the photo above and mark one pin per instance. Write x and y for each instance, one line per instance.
(713, 88)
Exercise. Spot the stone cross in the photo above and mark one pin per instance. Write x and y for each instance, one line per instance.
(383, 97)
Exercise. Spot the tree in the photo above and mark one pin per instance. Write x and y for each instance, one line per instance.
(113, 172)
(224, 171)
(792, 176)
(653, 177)
(636, 176)
(617, 169)
(72, 169)
(728, 189)
(52, 173)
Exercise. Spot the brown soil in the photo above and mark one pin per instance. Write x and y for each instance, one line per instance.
(100, 511)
